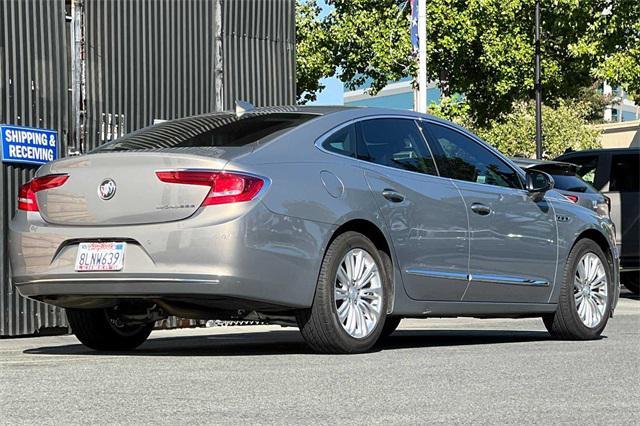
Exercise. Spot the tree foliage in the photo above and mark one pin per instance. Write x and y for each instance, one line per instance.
(565, 127)
(614, 41)
(482, 48)
(313, 51)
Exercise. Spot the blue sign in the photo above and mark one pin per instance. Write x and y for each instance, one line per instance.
(28, 145)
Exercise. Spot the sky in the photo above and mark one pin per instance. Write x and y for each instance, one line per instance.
(332, 94)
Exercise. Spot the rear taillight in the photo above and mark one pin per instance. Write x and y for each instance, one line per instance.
(572, 198)
(226, 187)
(603, 209)
(27, 195)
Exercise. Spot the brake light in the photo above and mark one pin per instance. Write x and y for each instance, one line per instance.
(27, 195)
(226, 187)
(603, 209)
(572, 198)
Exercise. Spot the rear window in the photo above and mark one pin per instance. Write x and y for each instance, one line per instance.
(625, 173)
(565, 177)
(215, 130)
(572, 183)
(587, 166)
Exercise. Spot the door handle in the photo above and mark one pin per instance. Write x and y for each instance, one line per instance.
(393, 195)
(480, 209)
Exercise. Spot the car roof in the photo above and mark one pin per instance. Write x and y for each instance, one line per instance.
(195, 124)
(321, 110)
(631, 149)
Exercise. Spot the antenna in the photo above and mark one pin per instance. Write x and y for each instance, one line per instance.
(243, 107)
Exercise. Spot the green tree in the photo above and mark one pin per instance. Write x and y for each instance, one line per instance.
(454, 109)
(564, 127)
(482, 48)
(613, 41)
(313, 51)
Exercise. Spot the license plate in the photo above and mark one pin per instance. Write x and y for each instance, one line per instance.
(100, 256)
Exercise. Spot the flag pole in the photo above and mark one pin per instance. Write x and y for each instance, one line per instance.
(422, 57)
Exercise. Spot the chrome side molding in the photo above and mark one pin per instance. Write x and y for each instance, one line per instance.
(499, 279)
(438, 274)
(480, 278)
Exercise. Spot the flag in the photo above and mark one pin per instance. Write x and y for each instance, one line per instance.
(414, 25)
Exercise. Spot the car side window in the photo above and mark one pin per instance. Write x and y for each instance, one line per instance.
(342, 142)
(624, 173)
(395, 142)
(460, 157)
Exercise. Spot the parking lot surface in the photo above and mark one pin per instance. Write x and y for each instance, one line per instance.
(429, 371)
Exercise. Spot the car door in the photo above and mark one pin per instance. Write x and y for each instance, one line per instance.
(425, 213)
(623, 189)
(513, 240)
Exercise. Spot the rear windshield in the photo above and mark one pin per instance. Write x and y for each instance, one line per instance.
(215, 130)
(572, 183)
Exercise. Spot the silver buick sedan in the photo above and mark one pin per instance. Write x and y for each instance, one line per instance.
(340, 221)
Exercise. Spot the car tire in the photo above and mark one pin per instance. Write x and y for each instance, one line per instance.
(321, 325)
(566, 322)
(390, 325)
(96, 330)
(631, 281)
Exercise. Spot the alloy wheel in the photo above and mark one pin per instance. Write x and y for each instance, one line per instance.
(590, 290)
(358, 293)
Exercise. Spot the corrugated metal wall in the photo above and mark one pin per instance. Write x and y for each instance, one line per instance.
(33, 92)
(144, 60)
(258, 44)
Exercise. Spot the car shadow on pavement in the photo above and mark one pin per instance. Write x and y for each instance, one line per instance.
(437, 338)
(289, 342)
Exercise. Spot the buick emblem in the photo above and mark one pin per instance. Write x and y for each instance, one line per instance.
(107, 189)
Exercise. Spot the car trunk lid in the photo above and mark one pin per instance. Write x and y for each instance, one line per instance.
(122, 188)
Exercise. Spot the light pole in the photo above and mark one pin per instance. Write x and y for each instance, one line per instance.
(538, 87)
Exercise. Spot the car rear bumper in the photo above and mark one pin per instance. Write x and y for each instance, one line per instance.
(90, 291)
(256, 255)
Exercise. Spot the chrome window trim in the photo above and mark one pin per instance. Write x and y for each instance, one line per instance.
(318, 144)
(320, 140)
(426, 141)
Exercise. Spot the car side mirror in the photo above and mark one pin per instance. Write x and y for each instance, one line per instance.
(538, 183)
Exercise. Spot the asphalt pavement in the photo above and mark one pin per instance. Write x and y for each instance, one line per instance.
(430, 371)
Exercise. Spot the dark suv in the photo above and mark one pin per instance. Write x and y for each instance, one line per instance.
(616, 173)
